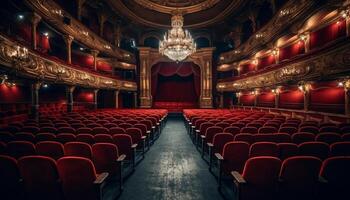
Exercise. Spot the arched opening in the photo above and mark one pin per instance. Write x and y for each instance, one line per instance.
(175, 85)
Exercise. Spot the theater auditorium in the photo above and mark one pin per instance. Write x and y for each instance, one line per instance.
(175, 99)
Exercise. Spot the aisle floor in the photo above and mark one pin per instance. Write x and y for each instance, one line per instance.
(172, 170)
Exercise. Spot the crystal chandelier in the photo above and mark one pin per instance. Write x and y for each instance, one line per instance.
(177, 44)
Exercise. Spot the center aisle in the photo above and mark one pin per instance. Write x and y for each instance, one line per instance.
(172, 169)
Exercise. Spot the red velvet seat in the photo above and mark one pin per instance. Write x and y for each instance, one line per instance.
(287, 150)
(84, 185)
(316, 149)
(116, 130)
(340, 149)
(125, 125)
(65, 137)
(263, 149)
(328, 138)
(83, 130)
(345, 129)
(290, 124)
(240, 125)
(335, 171)
(79, 149)
(259, 179)
(109, 125)
(245, 137)
(299, 138)
(86, 138)
(346, 137)
(233, 130)
(47, 129)
(267, 129)
(40, 177)
(6, 137)
(105, 158)
(9, 179)
(19, 149)
(299, 176)
(329, 129)
(309, 129)
(2, 148)
(66, 130)
(23, 136)
(100, 130)
(77, 125)
(252, 130)
(103, 138)
(125, 145)
(223, 125)
(255, 125)
(30, 129)
(54, 150)
(234, 154)
(220, 140)
(287, 129)
(45, 137)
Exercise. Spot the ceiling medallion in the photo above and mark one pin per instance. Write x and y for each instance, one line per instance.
(178, 44)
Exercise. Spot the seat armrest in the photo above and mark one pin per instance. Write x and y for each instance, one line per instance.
(237, 178)
(148, 132)
(210, 144)
(193, 126)
(133, 146)
(121, 158)
(143, 137)
(101, 178)
(197, 131)
(322, 180)
(219, 157)
(202, 136)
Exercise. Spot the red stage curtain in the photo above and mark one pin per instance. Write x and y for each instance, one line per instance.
(247, 99)
(292, 99)
(247, 68)
(189, 72)
(327, 97)
(266, 61)
(266, 99)
(328, 34)
(291, 51)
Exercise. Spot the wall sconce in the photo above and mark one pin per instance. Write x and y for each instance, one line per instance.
(304, 87)
(3, 78)
(255, 61)
(221, 86)
(236, 51)
(20, 53)
(345, 13)
(238, 94)
(238, 68)
(85, 33)
(275, 51)
(259, 35)
(303, 37)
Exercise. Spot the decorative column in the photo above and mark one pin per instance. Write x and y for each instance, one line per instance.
(35, 100)
(116, 95)
(80, 4)
(255, 99)
(145, 76)
(135, 99)
(117, 34)
(238, 95)
(70, 98)
(306, 39)
(35, 19)
(277, 99)
(221, 100)
(347, 97)
(102, 19)
(94, 54)
(68, 39)
(276, 53)
(95, 98)
(347, 26)
(306, 99)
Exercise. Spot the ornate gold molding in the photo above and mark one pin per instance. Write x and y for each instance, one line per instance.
(117, 64)
(333, 62)
(19, 58)
(202, 58)
(183, 7)
(292, 15)
(54, 14)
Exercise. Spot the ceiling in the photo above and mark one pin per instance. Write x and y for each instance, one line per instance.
(157, 13)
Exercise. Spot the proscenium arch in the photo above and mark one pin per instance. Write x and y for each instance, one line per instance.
(202, 57)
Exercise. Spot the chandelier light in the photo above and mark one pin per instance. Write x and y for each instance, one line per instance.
(178, 44)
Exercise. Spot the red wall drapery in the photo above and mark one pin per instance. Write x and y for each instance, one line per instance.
(266, 61)
(292, 51)
(328, 34)
(247, 99)
(266, 99)
(247, 68)
(173, 89)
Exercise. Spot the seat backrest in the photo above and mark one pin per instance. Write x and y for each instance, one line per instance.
(309, 129)
(261, 174)
(79, 149)
(23, 136)
(45, 137)
(40, 177)
(66, 130)
(328, 138)
(86, 138)
(103, 138)
(287, 150)
(340, 149)
(263, 149)
(299, 138)
(329, 129)
(65, 137)
(220, 140)
(10, 177)
(252, 130)
(235, 154)
(267, 129)
(299, 175)
(336, 171)
(233, 130)
(211, 132)
(204, 127)
(223, 125)
(116, 130)
(18, 149)
(245, 137)
(77, 185)
(288, 129)
(84, 130)
(316, 149)
(100, 130)
(54, 150)
(135, 134)
(125, 125)
(123, 142)
(104, 156)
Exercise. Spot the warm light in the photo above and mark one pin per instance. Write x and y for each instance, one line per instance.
(45, 85)
(178, 44)
(259, 35)
(302, 37)
(20, 17)
(275, 52)
(81, 49)
(46, 34)
(238, 94)
(345, 13)
(301, 88)
(340, 84)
